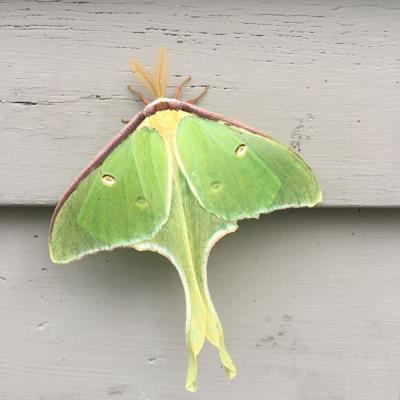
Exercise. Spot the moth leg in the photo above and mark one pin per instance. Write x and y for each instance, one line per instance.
(195, 99)
(178, 89)
(138, 94)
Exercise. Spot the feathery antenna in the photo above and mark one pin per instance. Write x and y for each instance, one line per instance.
(157, 82)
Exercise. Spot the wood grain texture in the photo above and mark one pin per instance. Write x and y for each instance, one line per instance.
(309, 300)
(322, 76)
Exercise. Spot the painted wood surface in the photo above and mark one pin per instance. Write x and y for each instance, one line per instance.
(322, 76)
(309, 300)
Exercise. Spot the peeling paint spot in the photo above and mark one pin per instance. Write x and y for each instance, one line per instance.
(43, 325)
(154, 360)
(296, 137)
(115, 390)
(268, 339)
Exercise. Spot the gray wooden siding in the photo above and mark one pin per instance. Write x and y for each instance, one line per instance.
(323, 76)
(309, 300)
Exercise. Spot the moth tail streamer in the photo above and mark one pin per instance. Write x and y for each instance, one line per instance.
(202, 323)
(215, 335)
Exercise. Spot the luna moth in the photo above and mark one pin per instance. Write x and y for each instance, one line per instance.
(175, 180)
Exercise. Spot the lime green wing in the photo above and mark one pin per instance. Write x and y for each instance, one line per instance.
(236, 173)
(124, 200)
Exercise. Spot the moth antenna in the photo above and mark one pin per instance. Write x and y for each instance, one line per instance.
(143, 75)
(161, 72)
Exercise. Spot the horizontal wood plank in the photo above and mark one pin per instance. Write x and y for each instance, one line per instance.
(309, 301)
(322, 76)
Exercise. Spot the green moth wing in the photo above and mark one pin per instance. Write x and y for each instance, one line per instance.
(122, 201)
(236, 173)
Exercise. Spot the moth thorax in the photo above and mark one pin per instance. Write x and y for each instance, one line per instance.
(165, 122)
